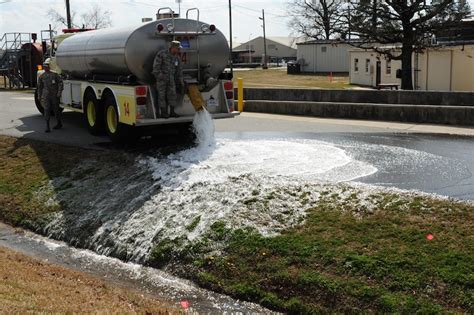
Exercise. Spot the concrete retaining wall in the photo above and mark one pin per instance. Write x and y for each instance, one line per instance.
(454, 108)
(363, 96)
(453, 115)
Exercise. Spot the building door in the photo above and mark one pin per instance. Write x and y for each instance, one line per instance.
(378, 73)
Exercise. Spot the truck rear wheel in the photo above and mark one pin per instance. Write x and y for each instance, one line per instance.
(40, 107)
(38, 103)
(94, 114)
(117, 132)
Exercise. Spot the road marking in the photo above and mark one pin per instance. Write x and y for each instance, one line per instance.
(23, 98)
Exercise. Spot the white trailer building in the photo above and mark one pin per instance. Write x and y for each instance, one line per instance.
(444, 68)
(324, 56)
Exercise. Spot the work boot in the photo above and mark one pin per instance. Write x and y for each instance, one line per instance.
(47, 127)
(164, 113)
(59, 125)
(173, 114)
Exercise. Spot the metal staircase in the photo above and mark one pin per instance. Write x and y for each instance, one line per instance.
(11, 54)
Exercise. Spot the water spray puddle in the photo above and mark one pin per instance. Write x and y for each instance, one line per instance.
(243, 183)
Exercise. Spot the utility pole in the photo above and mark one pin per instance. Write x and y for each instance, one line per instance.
(231, 63)
(179, 7)
(68, 14)
(374, 16)
(264, 41)
(349, 3)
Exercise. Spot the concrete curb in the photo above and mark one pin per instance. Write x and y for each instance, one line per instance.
(437, 114)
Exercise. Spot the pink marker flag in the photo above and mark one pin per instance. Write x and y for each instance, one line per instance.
(185, 304)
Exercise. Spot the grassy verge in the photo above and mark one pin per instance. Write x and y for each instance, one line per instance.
(279, 78)
(32, 286)
(338, 261)
(26, 166)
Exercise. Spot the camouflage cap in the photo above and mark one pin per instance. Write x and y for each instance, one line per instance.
(175, 44)
(47, 62)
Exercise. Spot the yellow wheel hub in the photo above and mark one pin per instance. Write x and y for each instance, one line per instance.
(91, 118)
(112, 119)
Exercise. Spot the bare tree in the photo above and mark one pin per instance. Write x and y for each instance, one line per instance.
(95, 18)
(408, 23)
(59, 20)
(318, 19)
(456, 11)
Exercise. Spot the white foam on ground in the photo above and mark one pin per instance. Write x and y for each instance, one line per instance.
(283, 160)
(213, 162)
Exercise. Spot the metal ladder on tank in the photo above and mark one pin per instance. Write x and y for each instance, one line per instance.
(198, 70)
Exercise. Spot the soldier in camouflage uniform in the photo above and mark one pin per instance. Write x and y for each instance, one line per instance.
(169, 78)
(50, 87)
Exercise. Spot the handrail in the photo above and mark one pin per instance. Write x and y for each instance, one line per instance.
(14, 41)
(193, 9)
(171, 13)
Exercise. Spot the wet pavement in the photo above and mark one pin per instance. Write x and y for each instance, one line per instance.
(438, 164)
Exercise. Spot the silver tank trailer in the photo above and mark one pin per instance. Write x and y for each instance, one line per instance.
(131, 50)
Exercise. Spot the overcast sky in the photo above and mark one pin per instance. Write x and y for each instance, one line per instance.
(31, 15)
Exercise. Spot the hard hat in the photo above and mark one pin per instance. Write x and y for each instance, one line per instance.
(47, 62)
(176, 44)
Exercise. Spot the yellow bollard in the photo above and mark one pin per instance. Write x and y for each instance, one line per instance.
(240, 92)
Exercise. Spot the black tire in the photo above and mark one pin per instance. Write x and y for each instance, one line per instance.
(40, 107)
(93, 114)
(38, 103)
(117, 132)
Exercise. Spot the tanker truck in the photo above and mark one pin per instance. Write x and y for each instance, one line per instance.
(108, 75)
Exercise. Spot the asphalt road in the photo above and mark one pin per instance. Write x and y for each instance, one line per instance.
(429, 158)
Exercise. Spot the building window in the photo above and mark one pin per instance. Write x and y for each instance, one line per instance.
(324, 49)
(367, 65)
(356, 64)
(271, 46)
(388, 67)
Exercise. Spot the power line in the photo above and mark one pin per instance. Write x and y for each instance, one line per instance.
(256, 16)
(258, 11)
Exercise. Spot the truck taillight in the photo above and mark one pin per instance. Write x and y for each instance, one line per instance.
(141, 99)
(140, 91)
(229, 90)
(229, 85)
